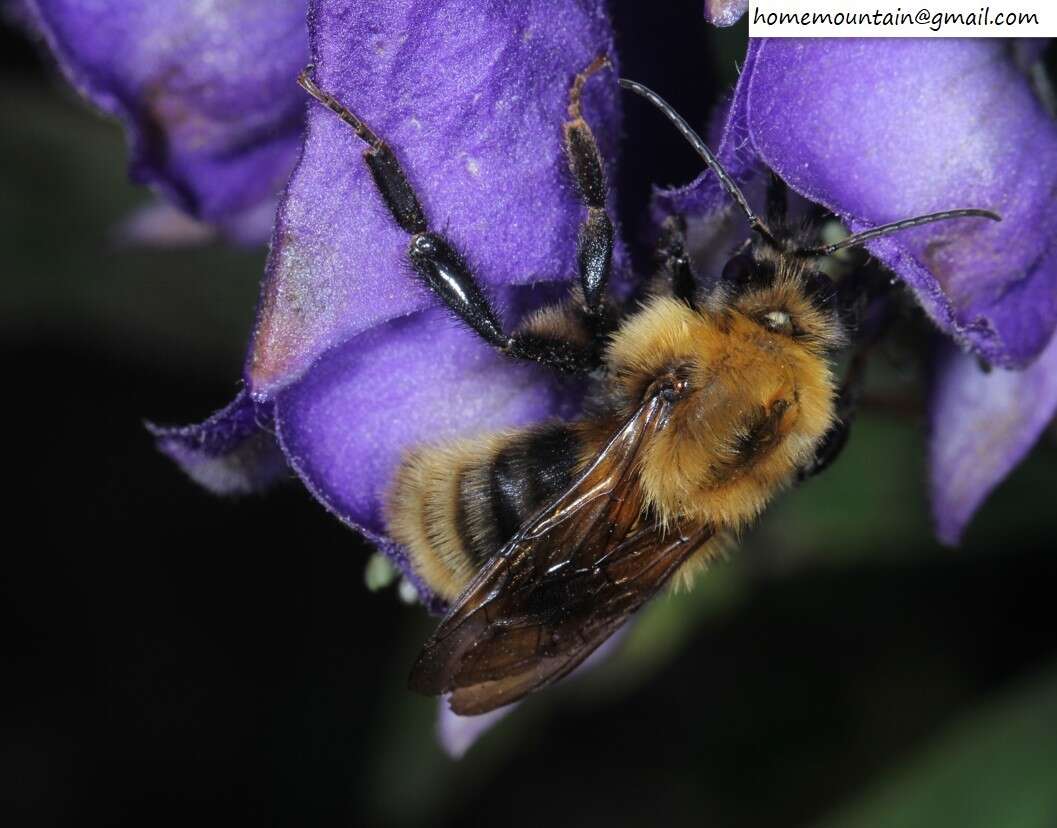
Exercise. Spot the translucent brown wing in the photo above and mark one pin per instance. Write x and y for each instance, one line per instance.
(561, 586)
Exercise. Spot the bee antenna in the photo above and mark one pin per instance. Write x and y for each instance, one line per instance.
(755, 222)
(893, 227)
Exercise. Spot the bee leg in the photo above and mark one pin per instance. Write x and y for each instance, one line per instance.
(595, 255)
(388, 176)
(777, 200)
(440, 265)
(829, 448)
(834, 440)
(675, 260)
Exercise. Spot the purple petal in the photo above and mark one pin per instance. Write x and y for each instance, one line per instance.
(983, 424)
(233, 452)
(725, 12)
(457, 734)
(880, 130)
(472, 96)
(206, 90)
(419, 379)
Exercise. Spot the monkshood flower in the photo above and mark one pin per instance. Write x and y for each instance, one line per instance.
(878, 130)
(203, 90)
(351, 360)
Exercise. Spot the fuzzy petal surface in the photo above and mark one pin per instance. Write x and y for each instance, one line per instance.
(983, 423)
(472, 97)
(890, 129)
(233, 452)
(206, 90)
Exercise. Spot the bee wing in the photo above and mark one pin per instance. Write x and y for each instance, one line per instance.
(561, 586)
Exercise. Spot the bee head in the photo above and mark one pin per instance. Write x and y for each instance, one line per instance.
(783, 294)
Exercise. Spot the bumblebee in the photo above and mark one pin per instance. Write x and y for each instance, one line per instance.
(706, 400)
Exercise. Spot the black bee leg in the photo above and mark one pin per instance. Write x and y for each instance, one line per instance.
(675, 260)
(439, 264)
(596, 233)
(388, 176)
(777, 200)
(831, 445)
(833, 442)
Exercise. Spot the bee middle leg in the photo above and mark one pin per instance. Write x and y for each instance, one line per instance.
(443, 268)
(830, 446)
(675, 260)
(855, 313)
(834, 440)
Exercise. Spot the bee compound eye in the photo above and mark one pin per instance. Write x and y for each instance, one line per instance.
(740, 270)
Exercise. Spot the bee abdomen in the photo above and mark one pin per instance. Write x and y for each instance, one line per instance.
(454, 506)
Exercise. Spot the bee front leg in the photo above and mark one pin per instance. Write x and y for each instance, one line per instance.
(675, 260)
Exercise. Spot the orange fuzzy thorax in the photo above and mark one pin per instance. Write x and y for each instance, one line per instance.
(696, 468)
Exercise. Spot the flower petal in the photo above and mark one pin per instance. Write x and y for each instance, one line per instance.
(206, 90)
(472, 96)
(879, 130)
(159, 224)
(233, 452)
(457, 734)
(983, 424)
(725, 12)
(419, 379)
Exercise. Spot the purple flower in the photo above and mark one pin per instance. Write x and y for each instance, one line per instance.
(203, 89)
(352, 361)
(983, 423)
(878, 130)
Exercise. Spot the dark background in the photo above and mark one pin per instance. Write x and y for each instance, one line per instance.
(170, 657)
